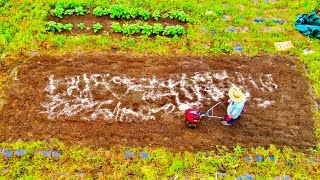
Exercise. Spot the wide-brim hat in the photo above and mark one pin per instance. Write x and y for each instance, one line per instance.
(235, 94)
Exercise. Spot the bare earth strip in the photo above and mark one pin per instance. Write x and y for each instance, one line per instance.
(107, 99)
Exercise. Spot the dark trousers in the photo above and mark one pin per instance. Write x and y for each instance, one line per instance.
(231, 121)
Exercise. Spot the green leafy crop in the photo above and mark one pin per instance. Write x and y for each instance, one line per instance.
(130, 29)
(98, 11)
(68, 27)
(81, 26)
(147, 29)
(116, 11)
(81, 11)
(116, 27)
(69, 12)
(51, 26)
(180, 15)
(54, 26)
(156, 15)
(125, 12)
(144, 14)
(97, 27)
(180, 30)
(58, 12)
(157, 28)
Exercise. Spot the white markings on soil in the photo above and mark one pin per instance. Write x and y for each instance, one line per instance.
(126, 99)
(264, 104)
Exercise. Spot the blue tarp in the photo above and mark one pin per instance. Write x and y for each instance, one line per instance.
(309, 24)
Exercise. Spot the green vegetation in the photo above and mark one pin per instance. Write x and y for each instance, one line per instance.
(81, 26)
(97, 27)
(145, 163)
(118, 11)
(180, 15)
(146, 29)
(156, 15)
(68, 9)
(214, 27)
(53, 26)
(174, 30)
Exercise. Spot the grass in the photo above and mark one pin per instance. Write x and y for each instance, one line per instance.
(128, 163)
(23, 29)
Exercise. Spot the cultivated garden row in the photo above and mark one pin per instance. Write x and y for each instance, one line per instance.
(120, 12)
(127, 29)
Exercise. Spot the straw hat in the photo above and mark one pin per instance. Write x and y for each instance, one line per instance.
(236, 94)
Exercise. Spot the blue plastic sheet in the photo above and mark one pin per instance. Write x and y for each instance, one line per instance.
(7, 153)
(271, 158)
(55, 154)
(259, 20)
(238, 48)
(231, 29)
(46, 153)
(129, 154)
(259, 158)
(308, 24)
(245, 177)
(278, 21)
(144, 155)
(20, 152)
(290, 164)
(285, 177)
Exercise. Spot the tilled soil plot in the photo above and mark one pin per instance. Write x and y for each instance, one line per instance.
(107, 99)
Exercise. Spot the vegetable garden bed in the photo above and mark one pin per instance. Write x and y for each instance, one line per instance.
(109, 98)
(128, 21)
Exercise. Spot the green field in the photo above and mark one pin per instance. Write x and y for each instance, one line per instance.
(208, 27)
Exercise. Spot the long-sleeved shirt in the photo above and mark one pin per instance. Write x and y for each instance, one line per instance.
(235, 108)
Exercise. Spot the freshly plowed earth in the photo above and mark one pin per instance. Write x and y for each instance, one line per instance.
(90, 19)
(107, 99)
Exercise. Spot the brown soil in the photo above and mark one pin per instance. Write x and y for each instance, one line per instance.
(286, 122)
(89, 20)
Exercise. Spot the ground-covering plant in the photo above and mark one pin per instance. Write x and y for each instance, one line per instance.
(156, 15)
(129, 29)
(81, 26)
(99, 11)
(59, 12)
(146, 29)
(174, 30)
(3, 2)
(116, 27)
(54, 26)
(118, 11)
(34, 160)
(97, 27)
(180, 15)
(69, 8)
(157, 29)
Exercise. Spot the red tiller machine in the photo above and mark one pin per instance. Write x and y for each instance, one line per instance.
(194, 117)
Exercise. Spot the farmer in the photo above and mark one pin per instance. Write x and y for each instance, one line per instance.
(235, 104)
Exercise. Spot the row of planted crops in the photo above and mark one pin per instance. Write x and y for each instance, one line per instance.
(119, 12)
(127, 29)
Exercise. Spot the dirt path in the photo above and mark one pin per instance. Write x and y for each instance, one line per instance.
(108, 98)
